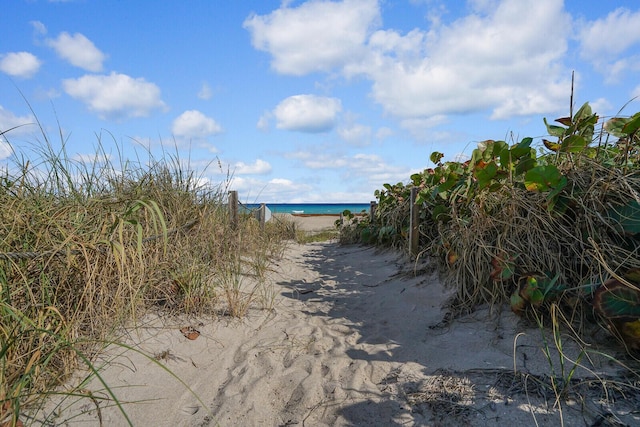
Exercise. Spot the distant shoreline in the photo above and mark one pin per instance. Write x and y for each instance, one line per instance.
(313, 208)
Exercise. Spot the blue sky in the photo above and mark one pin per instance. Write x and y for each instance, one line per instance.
(308, 101)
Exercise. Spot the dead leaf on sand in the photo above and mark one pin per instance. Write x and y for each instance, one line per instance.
(190, 332)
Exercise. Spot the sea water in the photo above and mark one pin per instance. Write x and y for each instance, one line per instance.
(313, 208)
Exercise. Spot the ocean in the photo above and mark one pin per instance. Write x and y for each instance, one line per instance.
(313, 208)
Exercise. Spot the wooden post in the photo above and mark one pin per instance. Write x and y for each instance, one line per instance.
(414, 219)
(233, 208)
(262, 215)
(372, 210)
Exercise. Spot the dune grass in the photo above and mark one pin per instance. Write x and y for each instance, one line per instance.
(89, 247)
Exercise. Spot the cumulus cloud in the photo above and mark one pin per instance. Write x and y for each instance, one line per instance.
(610, 35)
(315, 36)
(78, 51)
(115, 95)
(355, 134)
(371, 168)
(307, 113)
(602, 41)
(259, 167)
(500, 61)
(194, 124)
(272, 190)
(8, 120)
(20, 64)
(496, 58)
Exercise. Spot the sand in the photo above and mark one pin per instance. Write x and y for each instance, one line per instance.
(354, 338)
(313, 223)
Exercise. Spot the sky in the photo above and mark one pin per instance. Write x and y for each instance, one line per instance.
(306, 101)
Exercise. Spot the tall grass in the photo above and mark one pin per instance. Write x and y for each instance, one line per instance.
(86, 248)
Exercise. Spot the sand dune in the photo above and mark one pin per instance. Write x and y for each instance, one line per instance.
(354, 339)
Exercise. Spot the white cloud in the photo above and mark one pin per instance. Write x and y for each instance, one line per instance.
(383, 133)
(263, 122)
(355, 134)
(602, 42)
(39, 28)
(307, 113)
(274, 190)
(205, 91)
(10, 124)
(416, 126)
(259, 167)
(502, 61)
(601, 106)
(611, 35)
(96, 158)
(496, 58)
(115, 95)
(8, 120)
(78, 50)
(362, 166)
(20, 64)
(315, 36)
(5, 148)
(194, 124)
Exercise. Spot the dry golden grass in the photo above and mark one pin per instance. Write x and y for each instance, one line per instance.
(88, 248)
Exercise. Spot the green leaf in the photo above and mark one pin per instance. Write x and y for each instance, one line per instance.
(615, 300)
(484, 173)
(451, 180)
(436, 157)
(559, 186)
(543, 178)
(583, 113)
(615, 126)
(627, 217)
(525, 165)
(632, 125)
(554, 130)
(536, 298)
(573, 144)
(518, 303)
(522, 149)
(441, 213)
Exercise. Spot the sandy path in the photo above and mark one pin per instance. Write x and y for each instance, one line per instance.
(355, 339)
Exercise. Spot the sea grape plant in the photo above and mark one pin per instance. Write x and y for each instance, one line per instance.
(580, 186)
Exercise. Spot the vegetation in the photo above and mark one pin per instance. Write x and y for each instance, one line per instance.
(86, 248)
(549, 229)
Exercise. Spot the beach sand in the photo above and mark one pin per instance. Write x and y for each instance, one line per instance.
(312, 223)
(354, 338)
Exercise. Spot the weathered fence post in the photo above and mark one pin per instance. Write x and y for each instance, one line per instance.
(233, 208)
(262, 215)
(414, 223)
(372, 210)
